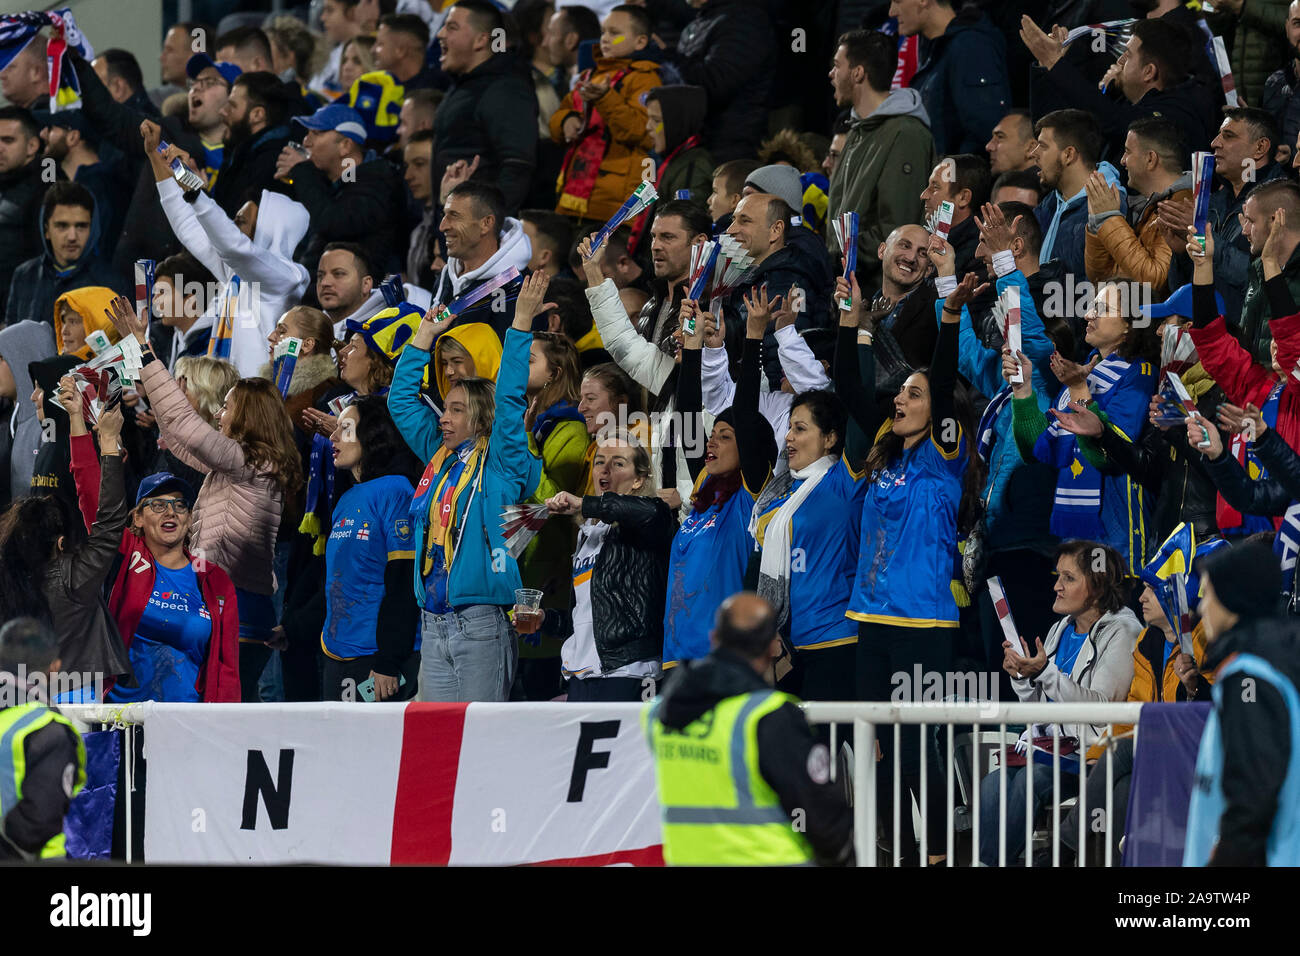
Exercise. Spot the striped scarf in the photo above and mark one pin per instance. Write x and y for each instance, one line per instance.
(988, 421)
(439, 499)
(223, 332)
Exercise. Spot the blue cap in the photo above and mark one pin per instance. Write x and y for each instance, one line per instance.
(201, 61)
(1178, 303)
(163, 481)
(65, 119)
(336, 118)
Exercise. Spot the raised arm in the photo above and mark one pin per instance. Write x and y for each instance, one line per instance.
(91, 562)
(754, 466)
(689, 400)
(415, 419)
(850, 369)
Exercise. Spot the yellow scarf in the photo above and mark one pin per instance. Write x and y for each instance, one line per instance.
(443, 520)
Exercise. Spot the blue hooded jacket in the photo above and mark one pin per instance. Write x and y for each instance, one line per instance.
(1018, 494)
(38, 283)
(1065, 244)
(482, 570)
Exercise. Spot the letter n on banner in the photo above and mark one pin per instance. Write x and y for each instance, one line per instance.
(426, 786)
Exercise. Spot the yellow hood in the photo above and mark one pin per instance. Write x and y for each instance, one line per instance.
(481, 342)
(91, 303)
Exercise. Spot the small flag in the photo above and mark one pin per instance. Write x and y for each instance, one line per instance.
(640, 200)
(188, 178)
(483, 291)
(520, 523)
(1202, 185)
(943, 219)
(284, 361)
(1003, 610)
(144, 278)
(846, 233)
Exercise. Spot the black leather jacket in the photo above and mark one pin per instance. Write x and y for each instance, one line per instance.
(629, 584)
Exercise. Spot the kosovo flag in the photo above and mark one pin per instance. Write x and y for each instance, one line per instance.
(1171, 576)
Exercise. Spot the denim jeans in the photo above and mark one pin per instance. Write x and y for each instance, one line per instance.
(466, 655)
(989, 789)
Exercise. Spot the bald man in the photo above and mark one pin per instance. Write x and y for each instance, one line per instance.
(908, 304)
(24, 82)
(781, 807)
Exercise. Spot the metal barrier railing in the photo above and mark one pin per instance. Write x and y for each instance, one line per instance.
(867, 717)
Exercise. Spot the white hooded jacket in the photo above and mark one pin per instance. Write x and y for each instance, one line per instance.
(514, 250)
(271, 281)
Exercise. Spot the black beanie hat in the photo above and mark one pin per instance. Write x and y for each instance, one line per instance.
(1247, 578)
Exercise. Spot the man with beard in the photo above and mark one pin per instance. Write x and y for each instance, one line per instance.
(67, 139)
(256, 116)
(346, 285)
(678, 225)
(904, 330)
(964, 181)
(1281, 84)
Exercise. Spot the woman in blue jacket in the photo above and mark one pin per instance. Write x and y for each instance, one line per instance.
(477, 450)
(922, 488)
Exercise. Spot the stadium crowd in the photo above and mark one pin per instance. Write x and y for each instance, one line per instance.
(400, 420)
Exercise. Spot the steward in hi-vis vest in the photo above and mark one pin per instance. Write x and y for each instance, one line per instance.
(741, 778)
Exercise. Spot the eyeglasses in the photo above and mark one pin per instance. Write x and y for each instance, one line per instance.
(204, 82)
(161, 506)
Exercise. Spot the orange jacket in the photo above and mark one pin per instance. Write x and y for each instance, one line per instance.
(1118, 251)
(627, 142)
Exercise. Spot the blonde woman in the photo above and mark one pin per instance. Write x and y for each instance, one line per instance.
(206, 382)
(620, 576)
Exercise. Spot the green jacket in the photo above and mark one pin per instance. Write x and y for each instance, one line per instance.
(1255, 311)
(691, 169)
(885, 165)
(1258, 43)
(548, 559)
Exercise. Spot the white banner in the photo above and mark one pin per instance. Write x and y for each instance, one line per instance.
(401, 783)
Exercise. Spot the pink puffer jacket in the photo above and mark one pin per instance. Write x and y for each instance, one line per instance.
(238, 509)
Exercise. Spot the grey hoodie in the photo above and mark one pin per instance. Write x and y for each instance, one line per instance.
(904, 102)
(20, 344)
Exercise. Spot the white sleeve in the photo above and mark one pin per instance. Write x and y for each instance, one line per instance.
(718, 390)
(642, 360)
(241, 255)
(802, 370)
(189, 230)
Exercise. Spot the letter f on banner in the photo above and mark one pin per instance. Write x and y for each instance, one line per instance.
(584, 758)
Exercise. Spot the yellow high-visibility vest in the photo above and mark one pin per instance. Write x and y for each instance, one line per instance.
(16, 723)
(717, 808)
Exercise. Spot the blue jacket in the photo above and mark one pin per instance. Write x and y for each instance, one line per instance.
(962, 78)
(1018, 495)
(482, 570)
(1068, 245)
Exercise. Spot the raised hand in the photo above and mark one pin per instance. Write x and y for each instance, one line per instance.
(1102, 196)
(151, 133)
(758, 310)
(848, 289)
(531, 301)
(994, 228)
(1275, 245)
(1018, 362)
(121, 312)
(1069, 373)
(593, 263)
(455, 174)
(1046, 48)
(1201, 257)
(1203, 435)
(942, 257)
(110, 429)
(564, 503)
(966, 290)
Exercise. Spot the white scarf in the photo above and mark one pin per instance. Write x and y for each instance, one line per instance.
(774, 563)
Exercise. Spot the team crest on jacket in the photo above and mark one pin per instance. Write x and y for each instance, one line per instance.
(402, 528)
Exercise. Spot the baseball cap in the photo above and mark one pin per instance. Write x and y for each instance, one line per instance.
(64, 119)
(1178, 303)
(336, 118)
(781, 181)
(201, 61)
(164, 481)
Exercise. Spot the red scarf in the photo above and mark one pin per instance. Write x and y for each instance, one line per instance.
(716, 490)
(582, 162)
(643, 220)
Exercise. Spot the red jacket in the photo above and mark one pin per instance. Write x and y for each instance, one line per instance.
(1245, 380)
(218, 682)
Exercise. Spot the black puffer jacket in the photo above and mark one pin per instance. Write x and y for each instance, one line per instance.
(249, 167)
(490, 112)
(728, 50)
(629, 619)
(21, 192)
(368, 211)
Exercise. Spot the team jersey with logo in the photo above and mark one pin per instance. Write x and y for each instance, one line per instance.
(213, 154)
(909, 537)
(372, 526)
(823, 557)
(706, 566)
(171, 643)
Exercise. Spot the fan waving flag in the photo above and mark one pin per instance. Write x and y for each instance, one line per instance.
(18, 30)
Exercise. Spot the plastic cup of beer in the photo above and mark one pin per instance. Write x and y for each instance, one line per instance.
(528, 610)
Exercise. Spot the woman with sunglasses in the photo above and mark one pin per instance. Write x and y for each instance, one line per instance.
(178, 616)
